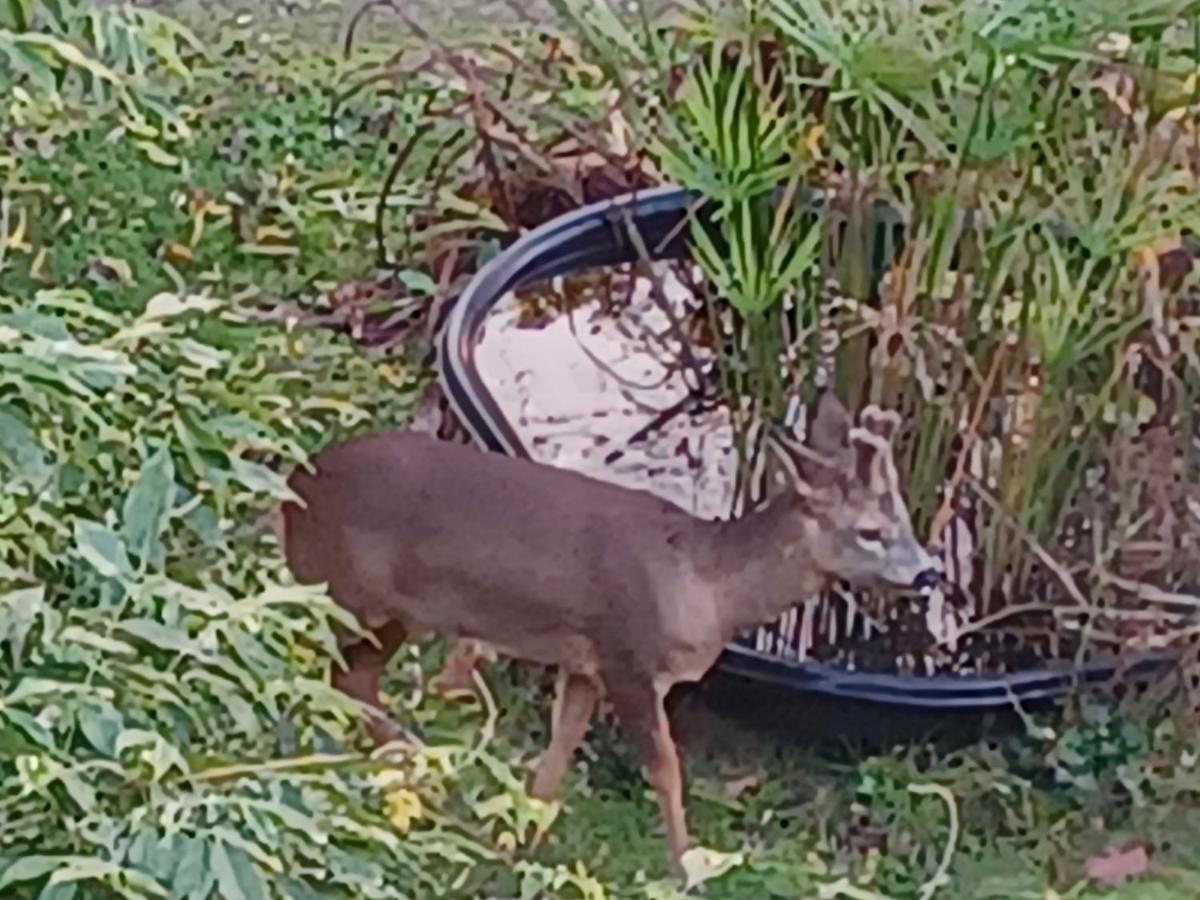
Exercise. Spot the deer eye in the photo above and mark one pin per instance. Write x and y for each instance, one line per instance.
(870, 535)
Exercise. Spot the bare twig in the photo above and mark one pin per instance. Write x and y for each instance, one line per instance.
(991, 619)
(659, 296)
(946, 511)
(1055, 567)
(389, 181)
(664, 417)
(352, 26)
(606, 368)
(1150, 593)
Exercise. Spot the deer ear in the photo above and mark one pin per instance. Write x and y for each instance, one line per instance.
(830, 426)
(807, 469)
(869, 453)
(884, 423)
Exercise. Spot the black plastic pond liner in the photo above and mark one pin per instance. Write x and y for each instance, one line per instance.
(599, 235)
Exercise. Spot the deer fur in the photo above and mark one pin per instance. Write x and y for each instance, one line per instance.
(625, 593)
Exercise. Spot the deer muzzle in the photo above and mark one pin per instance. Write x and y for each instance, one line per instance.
(930, 575)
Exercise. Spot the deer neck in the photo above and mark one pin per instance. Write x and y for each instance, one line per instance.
(763, 564)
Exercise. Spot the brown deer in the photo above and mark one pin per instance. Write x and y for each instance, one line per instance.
(624, 592)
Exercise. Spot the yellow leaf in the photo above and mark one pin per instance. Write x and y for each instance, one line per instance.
(389, 778)
(404, 808)
(179, 253)
(268, 233)
(270, 249)
(158, 155)
(16, 240)
(812, 140)
(1146, 408)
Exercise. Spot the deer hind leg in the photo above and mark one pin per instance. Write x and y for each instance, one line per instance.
(639, 709)
(574, 702)
(360, 679)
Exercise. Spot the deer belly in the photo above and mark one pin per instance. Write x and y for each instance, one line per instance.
(575, 653)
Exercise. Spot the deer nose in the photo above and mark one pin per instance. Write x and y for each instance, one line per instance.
(927, 580)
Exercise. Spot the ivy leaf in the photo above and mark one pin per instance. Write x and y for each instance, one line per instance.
(147, 506)
(237, 877)
(102, 548)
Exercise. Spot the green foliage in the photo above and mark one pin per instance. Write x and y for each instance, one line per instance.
(166, 723)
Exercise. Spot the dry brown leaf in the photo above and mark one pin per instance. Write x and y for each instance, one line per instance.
(1116, 865)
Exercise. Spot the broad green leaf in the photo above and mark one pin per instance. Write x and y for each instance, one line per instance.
(204, 357)
(77, 634)
(193, 871)
(19, 610)
(80, 791)
(37, 687)
(101, 723)
(14, 743)
(59, 891)
(101, 548)
(259, 479)
(418, 282)
(20, 450)
(31, 868)
(16, 15)
(27, 726)
(161, 755)
(157, 635)
(147, 505)
(294, 889)
(237, 876)
(88, 869)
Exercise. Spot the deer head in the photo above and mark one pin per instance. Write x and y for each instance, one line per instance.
(846, 481)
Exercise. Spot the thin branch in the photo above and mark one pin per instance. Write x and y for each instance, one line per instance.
(1064, 577)
(659, 296)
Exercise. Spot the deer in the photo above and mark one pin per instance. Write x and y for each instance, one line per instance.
(622, 591)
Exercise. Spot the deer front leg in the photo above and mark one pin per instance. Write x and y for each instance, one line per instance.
(574, 702)
(360, 679)
(640, 711)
